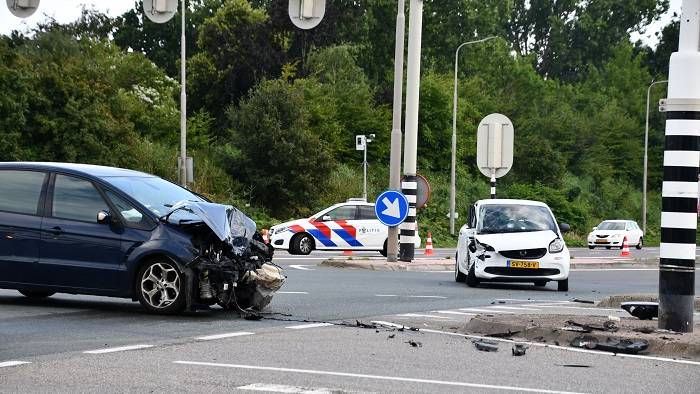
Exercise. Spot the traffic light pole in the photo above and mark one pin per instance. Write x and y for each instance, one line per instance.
(409, 186)
(392, 246)
(680, 182)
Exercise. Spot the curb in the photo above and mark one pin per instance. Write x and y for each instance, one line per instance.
(555, 336)
(380, 264)
(614, 301)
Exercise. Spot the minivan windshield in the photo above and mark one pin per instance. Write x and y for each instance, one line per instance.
(156, 194)
(511, 218)
(612, 226)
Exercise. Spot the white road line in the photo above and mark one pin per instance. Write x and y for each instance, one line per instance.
(12, 363)
(118, 349)
(529, 300)
(376, 377)
(292, 292)
(387, 324)
(456, 313)
(385, 295)
(484, 310)
(312, 325)
(568, 349)
(421, 315)
(222, 336)
(441, 297)
(514, 308)
(578, 308)
(302, 267)
(282, 388)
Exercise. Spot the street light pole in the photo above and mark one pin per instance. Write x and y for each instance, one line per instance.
(646, 160)
(392, 246)
(183, 104)
(453, 186)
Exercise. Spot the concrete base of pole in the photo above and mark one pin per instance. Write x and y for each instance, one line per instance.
(392, 246)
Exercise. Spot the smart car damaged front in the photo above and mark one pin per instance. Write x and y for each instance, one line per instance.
(84, 229)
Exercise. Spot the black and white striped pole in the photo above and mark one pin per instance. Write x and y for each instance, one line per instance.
(680, 182)
(493, 184)
(409, 186)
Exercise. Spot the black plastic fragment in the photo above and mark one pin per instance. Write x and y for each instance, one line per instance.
(485, 346)
(583, 301)
(613, 345)
(414, 343)
(641, 310)
(519, 349)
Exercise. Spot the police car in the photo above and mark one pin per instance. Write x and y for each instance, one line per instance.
(352, 225)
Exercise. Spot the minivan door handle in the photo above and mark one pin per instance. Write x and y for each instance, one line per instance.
(56, 231)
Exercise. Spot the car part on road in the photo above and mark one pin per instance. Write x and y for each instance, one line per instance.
(573, 365)
(609, 325)
(36, 294)
(485, 346)
(414, 343)
(583, 301)
(641, 310)
(519, 349)
(613, 345)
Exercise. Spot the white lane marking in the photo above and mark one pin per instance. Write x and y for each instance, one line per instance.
(484, 310)
(441, 297)
(385, 295)
(222, 336)
(312, 325)
(12, 363)
(529, 300)
(118, 349)
(292, 292)
(388, 324)
(376, 377)
(281, 388)
(578, 308)
(302, 267)
(421, 315)
(456, 313)
(568, 349)
(514, 308)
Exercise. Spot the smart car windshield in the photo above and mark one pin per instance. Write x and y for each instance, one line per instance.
(612, 226)
(509, 218)
(156, 194)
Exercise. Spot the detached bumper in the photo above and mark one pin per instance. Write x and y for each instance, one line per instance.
(498, 268)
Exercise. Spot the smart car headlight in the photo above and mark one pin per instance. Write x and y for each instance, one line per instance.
(556, 246)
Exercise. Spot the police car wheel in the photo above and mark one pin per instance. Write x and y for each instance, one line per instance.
(302, 244)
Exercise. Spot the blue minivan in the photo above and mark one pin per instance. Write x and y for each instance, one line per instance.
(86, 229)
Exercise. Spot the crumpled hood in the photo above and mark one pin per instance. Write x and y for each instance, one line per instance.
(228, 223)
(516, 241)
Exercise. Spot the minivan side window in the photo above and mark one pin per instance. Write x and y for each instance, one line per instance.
(76, 199)
(20, 191)
(130, 214)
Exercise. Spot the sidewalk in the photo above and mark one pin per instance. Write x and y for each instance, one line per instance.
(447, 264)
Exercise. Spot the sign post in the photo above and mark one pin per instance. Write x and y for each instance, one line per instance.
(494, 147)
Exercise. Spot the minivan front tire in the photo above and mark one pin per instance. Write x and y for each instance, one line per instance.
(160, 287)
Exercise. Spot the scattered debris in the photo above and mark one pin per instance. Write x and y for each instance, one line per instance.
(577, 329)
(573, 365)
(614, 318)
(503, 334)
(628, 346)
(485, 346)
(583, 301)
(414, 343)
(392, 336)
(519, 349)
(641, 310)
(609, 325)
(365, 325)
(645, 330)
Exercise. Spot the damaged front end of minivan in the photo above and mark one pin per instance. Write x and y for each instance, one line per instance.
(232, 265)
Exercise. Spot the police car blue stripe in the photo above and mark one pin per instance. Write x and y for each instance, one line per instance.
(322, 238)
(347, 237)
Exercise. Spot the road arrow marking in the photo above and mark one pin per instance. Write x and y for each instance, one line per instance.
(392, 208)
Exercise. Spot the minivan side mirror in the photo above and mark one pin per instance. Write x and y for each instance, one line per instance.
(564, 227)
(103, 217)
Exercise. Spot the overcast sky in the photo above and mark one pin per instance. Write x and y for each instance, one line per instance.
(69, 10)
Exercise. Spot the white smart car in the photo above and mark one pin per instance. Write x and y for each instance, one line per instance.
(512, 241)
(611, 233)
(351, 225)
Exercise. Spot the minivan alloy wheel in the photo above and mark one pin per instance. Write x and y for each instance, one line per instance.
(160, 285)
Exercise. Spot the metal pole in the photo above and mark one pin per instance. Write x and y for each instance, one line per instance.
(392, 246)
(646, 160)
(493, 184)
(409, 185)
(183, 104)
(680, 186)
(364, 166)
(453, 177)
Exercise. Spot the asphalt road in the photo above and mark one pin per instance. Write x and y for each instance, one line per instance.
(53, 336)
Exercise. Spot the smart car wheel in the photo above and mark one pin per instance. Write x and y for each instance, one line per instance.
(36, 294)
(472, 280)
(302, 244)
(563, 285)
(160, 287)
(640, 244)
(459, 275)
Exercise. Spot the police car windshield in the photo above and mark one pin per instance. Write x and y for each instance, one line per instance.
(156, 194)
(510, 218)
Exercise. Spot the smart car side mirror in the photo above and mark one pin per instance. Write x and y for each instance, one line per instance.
(103, 217)
(326, 218)
(564, 227)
